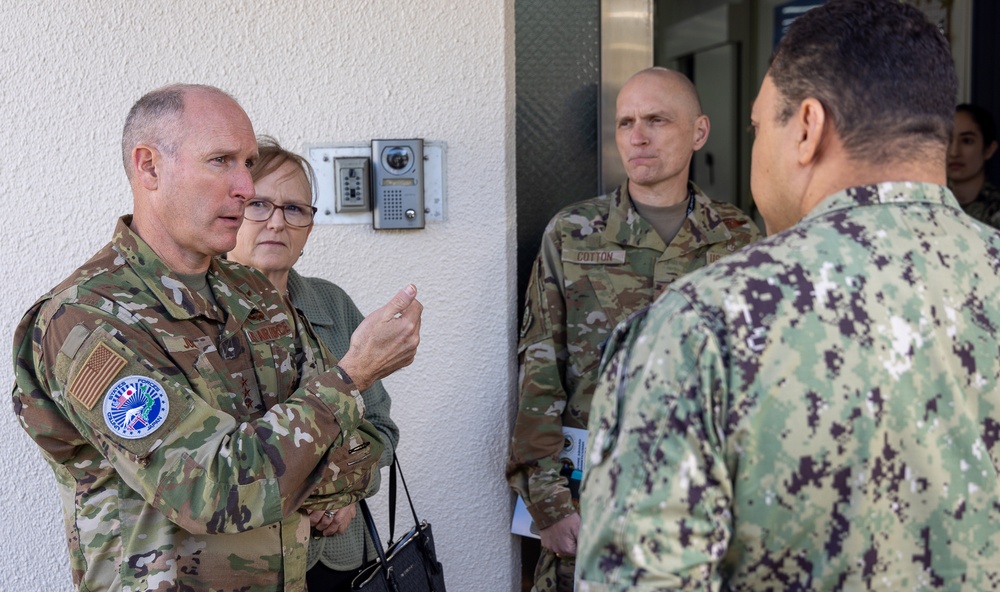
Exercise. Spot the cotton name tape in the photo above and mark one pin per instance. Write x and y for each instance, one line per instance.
(135, 407)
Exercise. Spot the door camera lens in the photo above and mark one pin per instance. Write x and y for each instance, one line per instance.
(397, 158)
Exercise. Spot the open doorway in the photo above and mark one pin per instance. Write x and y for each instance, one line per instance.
(710, 45)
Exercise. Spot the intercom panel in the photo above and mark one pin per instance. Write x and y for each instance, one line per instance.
(398, 183)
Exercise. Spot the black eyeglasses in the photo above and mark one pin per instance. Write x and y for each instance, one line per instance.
(260, 210)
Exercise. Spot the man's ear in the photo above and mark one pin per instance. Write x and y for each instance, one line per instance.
(702, 126)
(145, 162)
(811, 121)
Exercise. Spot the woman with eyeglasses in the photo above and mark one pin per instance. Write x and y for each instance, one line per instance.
(276, 226)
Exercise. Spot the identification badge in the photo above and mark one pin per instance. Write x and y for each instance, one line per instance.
(269, 332)
(177, 343)
(135, 407)
(594, 257)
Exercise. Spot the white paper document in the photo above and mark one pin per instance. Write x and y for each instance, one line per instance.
(574, 457)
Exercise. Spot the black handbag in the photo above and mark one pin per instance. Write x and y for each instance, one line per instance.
(407, 565)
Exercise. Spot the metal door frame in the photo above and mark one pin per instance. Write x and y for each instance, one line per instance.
(626, 48)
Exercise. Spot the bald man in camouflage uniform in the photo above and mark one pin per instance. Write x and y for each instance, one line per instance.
(820, 411)
(189, 416)
(600, 261)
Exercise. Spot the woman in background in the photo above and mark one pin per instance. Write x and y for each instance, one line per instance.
(973, 142)
(276, 225)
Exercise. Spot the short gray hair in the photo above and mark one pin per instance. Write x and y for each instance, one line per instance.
(151, 120)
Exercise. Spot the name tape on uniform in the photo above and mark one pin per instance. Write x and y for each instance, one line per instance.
(270, 332)
(594, 257)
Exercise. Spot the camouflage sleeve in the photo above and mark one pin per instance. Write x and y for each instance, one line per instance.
(342, 471)
(349, 471)
(201, 468)
(378, 427)
(378, 404)
(656, 497)
(537, 438)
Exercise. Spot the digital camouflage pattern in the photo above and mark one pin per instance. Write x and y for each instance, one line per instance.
(599, 262)
(986, 206)
(256, 429)
(820, 411)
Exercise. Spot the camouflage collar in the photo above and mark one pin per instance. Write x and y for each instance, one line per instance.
(883, 193)
(704, 226)
(707, 225)
(178, 301)
(625, 225)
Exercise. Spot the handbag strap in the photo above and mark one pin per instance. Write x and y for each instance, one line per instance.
(392, 500)
(431, 564)
(416, 521)
(377, 542)
(393, 469)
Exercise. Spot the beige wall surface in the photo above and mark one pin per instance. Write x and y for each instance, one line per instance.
(306, 71)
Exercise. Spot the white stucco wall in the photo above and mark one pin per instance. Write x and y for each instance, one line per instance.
(306, 71)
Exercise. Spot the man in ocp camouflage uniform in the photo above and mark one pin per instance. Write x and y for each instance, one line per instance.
(820, 411)
(601, 260)
(189, 416)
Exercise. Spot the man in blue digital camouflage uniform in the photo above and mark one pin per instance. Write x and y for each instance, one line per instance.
(820, 411)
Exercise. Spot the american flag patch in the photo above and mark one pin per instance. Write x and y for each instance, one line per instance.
(101, 366)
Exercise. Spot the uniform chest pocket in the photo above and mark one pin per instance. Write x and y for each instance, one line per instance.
(605, 281)
(233, 385)
(275, 367)
(192, 356)
(602, 288)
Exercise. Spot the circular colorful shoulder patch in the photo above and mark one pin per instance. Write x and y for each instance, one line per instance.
(135, 406)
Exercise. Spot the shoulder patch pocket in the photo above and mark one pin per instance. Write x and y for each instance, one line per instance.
(526, 321)
(100, 366)
(120, 400)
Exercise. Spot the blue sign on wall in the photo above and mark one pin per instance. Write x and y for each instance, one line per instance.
(785, 14)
